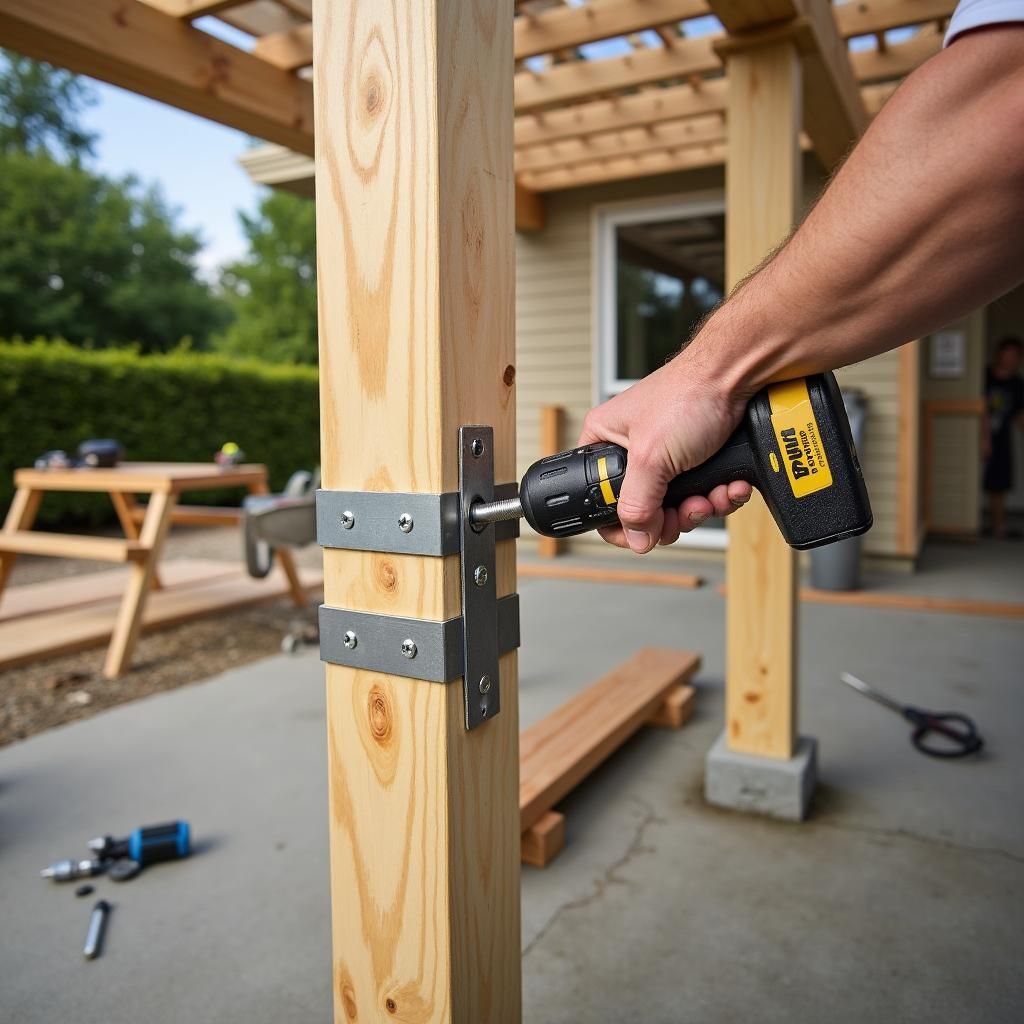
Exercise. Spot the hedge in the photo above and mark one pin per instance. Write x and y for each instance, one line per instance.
(175, 407)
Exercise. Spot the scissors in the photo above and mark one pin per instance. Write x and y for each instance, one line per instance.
(960, 736)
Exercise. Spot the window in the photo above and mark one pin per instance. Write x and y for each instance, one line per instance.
(660, 269)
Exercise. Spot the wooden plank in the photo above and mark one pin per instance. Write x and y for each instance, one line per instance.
(126, 506)
(415, 222)
(135, 46)
(543, 841)
(676, 710)
(191, 9)
(646, 108)
(89, 588)
(898, 60)
(20, 517)
(915, 603)
(71, 545)
(565, 747)
(551, 421)
(909, 474)
(530, 213)
(288, 50)
(688, 131)
(196, 515)
(590, 574)
(77, 629)
(869, 17)
(763, 178)
(582, 79)
(143, 477)
(152, 536)
(615, 169)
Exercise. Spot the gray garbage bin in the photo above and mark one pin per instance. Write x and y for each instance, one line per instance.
(837, 566)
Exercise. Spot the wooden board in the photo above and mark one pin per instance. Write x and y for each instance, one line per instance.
(415, 233)
(762, 196)
(144, 477)
(28, 639)
(552, 418)
(589, 574)
(87, 588)
(561, 750)
(542, 842)
(71, 545)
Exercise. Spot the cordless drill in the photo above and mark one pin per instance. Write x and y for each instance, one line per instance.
(794, 445)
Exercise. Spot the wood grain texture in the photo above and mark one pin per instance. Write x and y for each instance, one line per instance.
(762, 195)
(676, 709)
(596, 574)
(561, 750)
(416, 275)
(543, 841)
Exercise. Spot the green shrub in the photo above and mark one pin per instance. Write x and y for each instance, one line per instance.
(176, 407)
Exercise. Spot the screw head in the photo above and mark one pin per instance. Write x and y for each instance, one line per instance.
(480, 575)
(476, 446)
(409, 648)
(348, 520)
(484, 686)
(350, 640)
(405, 522)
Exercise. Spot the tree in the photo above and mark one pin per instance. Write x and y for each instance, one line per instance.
(273, 290)
(93, 259)
(40, 108)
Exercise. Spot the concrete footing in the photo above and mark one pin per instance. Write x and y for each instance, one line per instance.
(762, 785)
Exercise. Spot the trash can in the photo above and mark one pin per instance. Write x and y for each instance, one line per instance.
(837, 566)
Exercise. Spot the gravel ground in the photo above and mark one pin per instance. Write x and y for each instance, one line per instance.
(46, 693)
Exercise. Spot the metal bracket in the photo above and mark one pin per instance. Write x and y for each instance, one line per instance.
(398, 522)
(415, 648)
(428, 524)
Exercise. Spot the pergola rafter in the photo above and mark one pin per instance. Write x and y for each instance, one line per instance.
(579, 120)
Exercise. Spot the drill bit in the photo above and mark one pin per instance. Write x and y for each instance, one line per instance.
(484, 512)
(67, 870)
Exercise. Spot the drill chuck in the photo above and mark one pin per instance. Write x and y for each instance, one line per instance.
(794, 445)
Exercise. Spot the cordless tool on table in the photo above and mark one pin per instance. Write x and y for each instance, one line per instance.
(794, 445)
(147, 845)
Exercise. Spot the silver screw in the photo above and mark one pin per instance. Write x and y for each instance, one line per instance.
(348, 520)
(476, 446)
(480, 575)
(483, 710)
(484, 686)
(350, 640)
(409, 648)
(405, 523)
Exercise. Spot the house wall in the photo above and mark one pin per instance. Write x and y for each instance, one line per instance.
(556, 346)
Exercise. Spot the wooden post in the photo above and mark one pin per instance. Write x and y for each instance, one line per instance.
(20, 516)
(763, 185)
(551, 417)
(415, 226)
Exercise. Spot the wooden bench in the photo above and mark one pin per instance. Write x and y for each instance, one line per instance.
(559, 752)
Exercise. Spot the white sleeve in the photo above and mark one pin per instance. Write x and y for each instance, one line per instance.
(976, 13)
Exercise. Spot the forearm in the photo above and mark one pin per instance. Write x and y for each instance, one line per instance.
(923, 223)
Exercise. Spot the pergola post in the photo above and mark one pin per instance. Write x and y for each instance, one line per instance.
(415, 228)
(757, 764)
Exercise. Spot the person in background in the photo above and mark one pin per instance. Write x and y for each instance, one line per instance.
(1004, 401)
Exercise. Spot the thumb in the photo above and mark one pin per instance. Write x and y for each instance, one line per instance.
(639, 505)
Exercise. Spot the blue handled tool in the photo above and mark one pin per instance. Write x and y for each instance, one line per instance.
(936, 733)
(147, 845)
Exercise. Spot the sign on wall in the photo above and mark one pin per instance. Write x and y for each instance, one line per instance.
(947, 355)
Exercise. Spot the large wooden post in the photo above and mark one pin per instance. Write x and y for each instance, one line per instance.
(763, 185)
(415, 227)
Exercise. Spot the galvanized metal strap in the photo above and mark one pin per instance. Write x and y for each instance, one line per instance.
(426, 649)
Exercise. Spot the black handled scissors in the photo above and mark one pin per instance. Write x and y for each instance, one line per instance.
(957, 735)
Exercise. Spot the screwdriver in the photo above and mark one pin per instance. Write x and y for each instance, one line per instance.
(794, 445)
(147, 845)
(68, 870)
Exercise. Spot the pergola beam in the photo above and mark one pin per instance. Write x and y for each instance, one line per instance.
(869, 17)
(191, 9)
(133, 45)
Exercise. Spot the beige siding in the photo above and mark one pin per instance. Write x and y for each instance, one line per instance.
(556, 343)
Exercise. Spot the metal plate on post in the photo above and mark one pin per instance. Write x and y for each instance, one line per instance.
(481, 682)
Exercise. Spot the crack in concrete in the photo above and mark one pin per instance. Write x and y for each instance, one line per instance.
(899, 833)
(610, 875)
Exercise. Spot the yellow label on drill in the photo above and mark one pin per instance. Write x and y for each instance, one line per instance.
(606, 488)
(796, 430)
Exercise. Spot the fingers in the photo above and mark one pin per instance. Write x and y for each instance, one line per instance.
(639, 505)
(722, 501)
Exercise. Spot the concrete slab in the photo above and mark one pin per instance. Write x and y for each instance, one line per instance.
(762, 785)
(902, 898)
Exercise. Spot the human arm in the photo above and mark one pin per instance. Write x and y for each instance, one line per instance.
(924, 222)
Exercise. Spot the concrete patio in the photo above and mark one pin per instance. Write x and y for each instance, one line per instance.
(902, 899)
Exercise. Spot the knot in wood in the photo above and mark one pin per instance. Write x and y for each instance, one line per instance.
(387, 576)
(509, 375)
(380, 715)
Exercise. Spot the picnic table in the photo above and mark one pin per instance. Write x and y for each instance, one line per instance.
(145, 528)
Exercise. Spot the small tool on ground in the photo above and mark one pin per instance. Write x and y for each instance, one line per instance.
(945, 734)
(794, 445)
(147, 845)
(97, 925)
(69, 870)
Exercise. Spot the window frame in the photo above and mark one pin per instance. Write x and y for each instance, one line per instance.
(605, 218)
